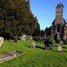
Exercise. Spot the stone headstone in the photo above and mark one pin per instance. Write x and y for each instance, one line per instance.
(29, 37)
(23, 38)
(33, 45)
(61, 43)
(1, 41)
(15, 39)
(59, 48)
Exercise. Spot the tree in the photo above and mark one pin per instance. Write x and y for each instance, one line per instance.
(36, 28)
(16, 18)
(49, 42)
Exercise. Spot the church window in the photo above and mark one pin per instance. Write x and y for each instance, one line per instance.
(58, 28)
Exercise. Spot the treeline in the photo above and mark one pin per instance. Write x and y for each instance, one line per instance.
(16, 19)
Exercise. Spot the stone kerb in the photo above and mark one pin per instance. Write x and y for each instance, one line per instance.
(8, 56)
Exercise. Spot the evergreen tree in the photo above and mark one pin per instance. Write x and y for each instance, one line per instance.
(37, 28)
(16, 18)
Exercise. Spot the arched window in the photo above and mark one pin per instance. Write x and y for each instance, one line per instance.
(58, 27)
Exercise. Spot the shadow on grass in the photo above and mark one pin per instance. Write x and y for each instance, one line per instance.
(60, 51)
(64, 47)
(40, 47)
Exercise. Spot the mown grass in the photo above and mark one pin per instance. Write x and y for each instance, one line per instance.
(34, 57)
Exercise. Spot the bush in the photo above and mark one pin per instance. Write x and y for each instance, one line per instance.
(39, 39)
(65, 41)
(49, 42)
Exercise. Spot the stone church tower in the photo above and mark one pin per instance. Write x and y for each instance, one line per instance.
(59, 14)
(59, 25)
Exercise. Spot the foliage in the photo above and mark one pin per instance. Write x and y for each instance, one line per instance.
(49, 42)
(36, 29)
(42, 32)
(37, 38)
(65, 41)
(40, 39)
(16, 18)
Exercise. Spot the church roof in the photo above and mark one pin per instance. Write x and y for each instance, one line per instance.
(63, 20)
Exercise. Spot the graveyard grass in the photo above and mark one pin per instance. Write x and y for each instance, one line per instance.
(34, 57)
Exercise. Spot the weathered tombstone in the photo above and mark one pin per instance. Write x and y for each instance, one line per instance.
(60, 46)
(61, 42)
(1, 41)
(33, 45)
(15, 39)
(23, 38)
(31, 38)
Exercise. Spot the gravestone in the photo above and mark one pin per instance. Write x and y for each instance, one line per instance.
(1, 41)
(60, 46)
(29, 37)
(15, 39)
(33, 45)
(23, 38)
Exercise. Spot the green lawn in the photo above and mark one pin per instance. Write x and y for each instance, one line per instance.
(34, 57)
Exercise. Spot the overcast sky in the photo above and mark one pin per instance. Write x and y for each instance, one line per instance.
(44, 10)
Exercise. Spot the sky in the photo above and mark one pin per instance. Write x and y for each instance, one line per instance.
(44, 10)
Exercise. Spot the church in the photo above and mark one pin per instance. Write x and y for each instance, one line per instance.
(59, 26)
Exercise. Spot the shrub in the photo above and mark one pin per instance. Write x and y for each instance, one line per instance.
(65, 41)
(39, 39)
(49, 42)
